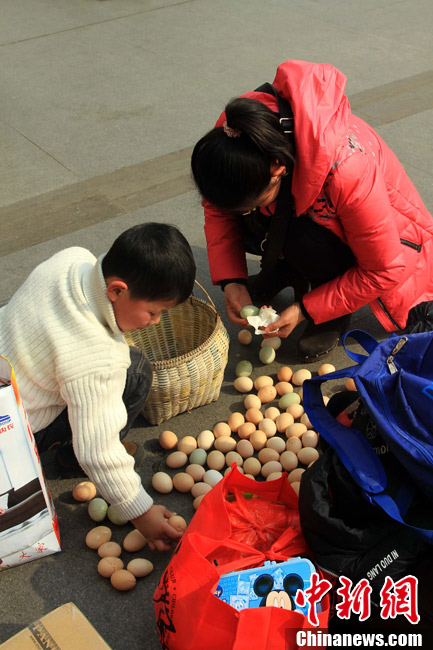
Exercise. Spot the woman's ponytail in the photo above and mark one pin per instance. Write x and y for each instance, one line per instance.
(231, 164)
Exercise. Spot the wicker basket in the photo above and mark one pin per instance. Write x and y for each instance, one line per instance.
(188, 352)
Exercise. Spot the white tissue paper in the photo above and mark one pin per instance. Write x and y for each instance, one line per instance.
(265, 317)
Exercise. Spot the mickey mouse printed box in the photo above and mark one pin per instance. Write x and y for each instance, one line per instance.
(272, 585)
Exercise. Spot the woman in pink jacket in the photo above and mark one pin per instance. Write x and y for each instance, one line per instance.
(355, 230)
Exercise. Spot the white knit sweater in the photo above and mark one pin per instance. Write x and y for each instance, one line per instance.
(60, 334)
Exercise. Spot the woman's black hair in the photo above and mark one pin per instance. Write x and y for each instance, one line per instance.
(233, 171)
(155, 260)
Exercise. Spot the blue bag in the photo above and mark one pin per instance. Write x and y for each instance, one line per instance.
(395, 384)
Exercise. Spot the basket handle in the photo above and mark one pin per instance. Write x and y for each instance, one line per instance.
(206, 294)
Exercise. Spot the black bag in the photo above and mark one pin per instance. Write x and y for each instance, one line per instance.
(348, 535)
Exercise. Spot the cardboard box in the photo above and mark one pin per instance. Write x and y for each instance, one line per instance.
(28, 521)
(65, 628)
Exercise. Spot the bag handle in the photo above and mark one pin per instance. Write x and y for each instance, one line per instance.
(349, 443)
(368, 342)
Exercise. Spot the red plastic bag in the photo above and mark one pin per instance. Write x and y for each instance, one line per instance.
(240, 523)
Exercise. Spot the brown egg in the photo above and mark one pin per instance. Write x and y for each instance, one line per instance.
(177, 522)
(225, 444)
(276, 443)
(176, 459)
(234, 457)
(262, 381)
(350, 384)
(183, 482)
(289, 460)
(295, 474)
(266, 454)
(108, 565)
(139, 567)
(205, 439)
(162, 482)
(200, 488)
(134, 541)
(325, 369)
(296, 410)
(266, 394)
(113, 549)
(167, 440)
(271, 466)
(197, 501)
(216, 460)
(273, 476)
(300, 376)
(97, 536)
(258, 440)
(221, 429)
(268, 426)
(243, 384)
(283, 421)
(308, 455)
(252, 466)
(306, 420)
(296, 486)
(123, 580)
(294, 444)
(310, 438)
(238, 468)
(245, 430)
(252, 401)
(187, 444)
(196, 471)
(84, 491)
(296, 429)
(285, 373)
(235, 420)
(245, 337)
(284, 387)
(273, 342)
(254, 415)
(272, 413)
(245, 448)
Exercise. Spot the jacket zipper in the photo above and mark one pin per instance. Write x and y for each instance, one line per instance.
(416, 247)
(411, 244)
(396, 325)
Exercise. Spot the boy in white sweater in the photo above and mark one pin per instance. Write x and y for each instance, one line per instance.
(63, 333)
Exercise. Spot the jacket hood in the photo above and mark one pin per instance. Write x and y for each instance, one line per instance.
(321, 111)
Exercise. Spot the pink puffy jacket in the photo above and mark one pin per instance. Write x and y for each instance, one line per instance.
(348, 180)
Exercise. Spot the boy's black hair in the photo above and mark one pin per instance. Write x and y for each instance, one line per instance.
(155, 260)
(231, 172)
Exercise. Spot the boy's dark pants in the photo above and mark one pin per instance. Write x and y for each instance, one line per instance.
(137, 388)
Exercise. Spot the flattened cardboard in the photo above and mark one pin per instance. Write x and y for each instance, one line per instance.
(65, 628)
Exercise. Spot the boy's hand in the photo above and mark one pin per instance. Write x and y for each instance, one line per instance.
(154, 526)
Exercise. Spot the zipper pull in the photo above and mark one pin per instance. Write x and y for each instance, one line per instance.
(390, 361)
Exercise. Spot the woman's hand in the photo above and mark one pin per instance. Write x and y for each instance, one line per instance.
(236, 296)
(288, 320)
(154, 526)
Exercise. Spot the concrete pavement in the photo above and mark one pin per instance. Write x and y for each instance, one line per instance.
(101, 103)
